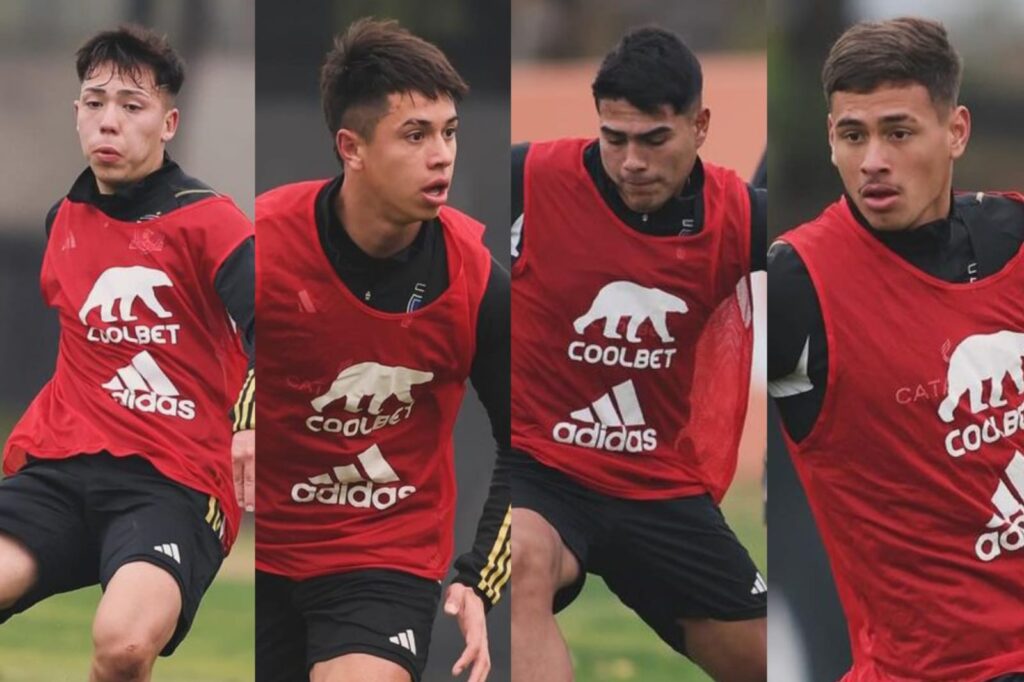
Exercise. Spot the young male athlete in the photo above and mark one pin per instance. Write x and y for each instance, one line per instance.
(631, 360)
(896, 358)
(377, 303)
(120, 472)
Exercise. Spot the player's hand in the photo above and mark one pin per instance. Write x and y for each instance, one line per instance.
(243, 465)
(467, 607)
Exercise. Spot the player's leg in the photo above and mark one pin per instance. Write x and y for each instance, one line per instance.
(729, 651)
(158, 555)
(372, 625)
(541, 566)
(680, 567)
(280, 631)
(553, 525)
(135, 620)
(364, 667)
(17, 571)
(45, 547)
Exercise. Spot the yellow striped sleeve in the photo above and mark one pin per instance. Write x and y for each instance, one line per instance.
(499, 562)
(244, 412)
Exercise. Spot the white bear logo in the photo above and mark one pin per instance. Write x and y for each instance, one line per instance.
(125, 285)
(980, 358)
(372, 379)
(639, 304)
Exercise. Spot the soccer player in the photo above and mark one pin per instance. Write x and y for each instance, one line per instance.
(631, 359)
(897, 335)
(376, 302)
(120, 472)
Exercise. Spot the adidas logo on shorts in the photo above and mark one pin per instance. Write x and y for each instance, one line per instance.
(406, 640)
(143, 387)
(170, 549)
(760, 586)
(349, 487)
(1006, 527)
(612, 423)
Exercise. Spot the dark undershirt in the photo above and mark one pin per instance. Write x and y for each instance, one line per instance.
(681, 215)
(159, 193)
(413, 278)
(976, 240)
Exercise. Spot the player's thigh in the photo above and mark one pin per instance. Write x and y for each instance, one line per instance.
(19, 570)
(45, 546)
(539, 555)
(729, 651)
(280, 631)
(139, 610)
(383, 614)
(671, 560)
(362, 667)
(145, 517)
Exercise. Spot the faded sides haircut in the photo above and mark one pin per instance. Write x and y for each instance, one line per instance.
(373, 59)
(130, 50)
(900, 51)
(649, 68)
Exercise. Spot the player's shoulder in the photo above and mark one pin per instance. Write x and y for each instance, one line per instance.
(283, 199)
(1000, 207)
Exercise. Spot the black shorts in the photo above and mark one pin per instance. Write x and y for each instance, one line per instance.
(665, 559)
(84, 517)
(383, 613)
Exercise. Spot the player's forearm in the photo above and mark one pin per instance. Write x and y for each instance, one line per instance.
(487, 567)
(243, 413)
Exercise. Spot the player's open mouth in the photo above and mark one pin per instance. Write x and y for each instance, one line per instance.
(879, 197)
(436, 192)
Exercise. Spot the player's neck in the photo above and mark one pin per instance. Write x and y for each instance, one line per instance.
(366, 225)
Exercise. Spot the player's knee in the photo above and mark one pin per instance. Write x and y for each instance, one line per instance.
(19, 571)
(534, 568)
(123, 659)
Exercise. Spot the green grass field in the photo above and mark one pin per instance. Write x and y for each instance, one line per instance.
(51, 641)
(609, 642)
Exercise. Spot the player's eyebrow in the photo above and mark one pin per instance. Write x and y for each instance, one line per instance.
(847, 121)
(122, 92)
(425, 123)
(645, 135)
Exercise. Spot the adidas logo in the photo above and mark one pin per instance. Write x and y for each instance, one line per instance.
(760, 586)
(349, 487)
(142, 386)
(1007, 524)
(613, 424)
(170, 549)
(406, 640)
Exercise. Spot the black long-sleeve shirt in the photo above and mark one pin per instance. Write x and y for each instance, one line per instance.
(977, 239)
(681, 215)
(410, 279)
(163, 191)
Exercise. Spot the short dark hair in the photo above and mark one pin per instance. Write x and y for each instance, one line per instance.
(373, 59)
(649, 68)
(899, 51)
(130, 49)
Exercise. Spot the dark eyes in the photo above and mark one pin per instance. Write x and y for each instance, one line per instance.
(130, 107)
(419, 135)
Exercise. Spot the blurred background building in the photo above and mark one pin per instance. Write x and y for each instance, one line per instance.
(803, 182)
(557, 46)
(293, 143)
(40, 160)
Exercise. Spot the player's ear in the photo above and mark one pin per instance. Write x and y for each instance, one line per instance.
(349, 145)
(171, 119)
(702, 122)
(959, 131)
